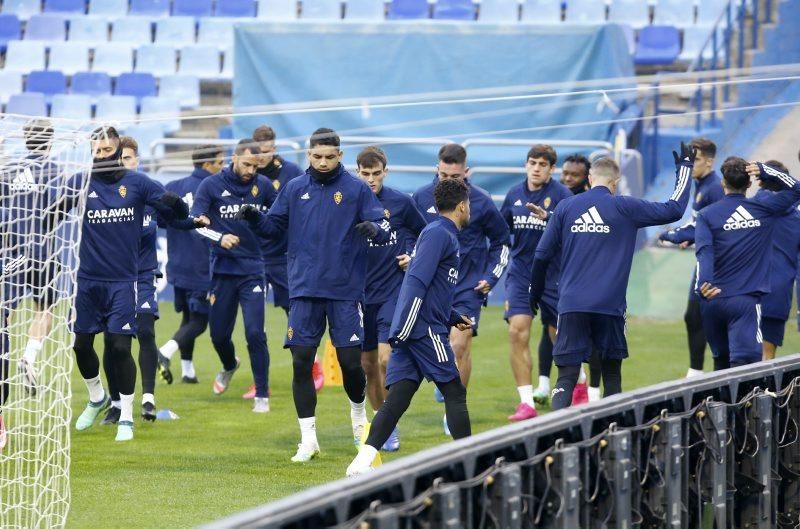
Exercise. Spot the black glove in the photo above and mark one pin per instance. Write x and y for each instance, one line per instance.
(247, 212)
(686, 158)
(367, 229)
(174, 202)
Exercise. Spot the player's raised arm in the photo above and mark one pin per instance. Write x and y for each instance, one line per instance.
(790, 188)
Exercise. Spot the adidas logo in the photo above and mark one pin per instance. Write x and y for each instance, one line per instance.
(518, 203)
(226, 193)
(432, 209)
(740, 219)
(355, 338)
(258, 289)
(126, 327)
(146, 305)
(305, 196)
(92, 195)
(590, 222)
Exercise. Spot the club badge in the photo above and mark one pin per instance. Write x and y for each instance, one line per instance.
(254, 191)
(337, 197)
(123, 191)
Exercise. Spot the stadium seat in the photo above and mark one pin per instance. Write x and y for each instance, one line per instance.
(227, 64)
(49, 83)
(408, 9)
(10, 29)
(192, 8)
(454, 10)
(235, 8)
(322, 9)
(708, 11)
(633, 12)
(658, 45)
(175, 30)
(116, 108)
(77, 7)
(10, 84)
(24, 9)
(201, 61)
(69, 57)
(114, 58)
(88, 29)
(167, 110)
(71, 106)
(585, 12)
(184, 88)
(498, 11)
(133, 30)
(24, 56)
(46, 27)
(93, 84)
(136, 84)
(364, 10)
(151, 8)
(108, 9)
(277, 9)
(541, 12)
(145, 134)
(673, 13)
(27, 104)
(157, 59)
(215, 32)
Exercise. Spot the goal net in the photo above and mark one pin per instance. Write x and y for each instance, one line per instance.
(39, 243)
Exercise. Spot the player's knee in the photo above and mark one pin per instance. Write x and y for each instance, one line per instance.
(518, 334)
(254, 336)
(453, 391)
(119, 345)
(369, 362)
(350, 360)
(302, 361)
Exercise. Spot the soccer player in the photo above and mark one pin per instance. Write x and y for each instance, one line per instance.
(598, 227)
(237, 266)
(188, 260)
(776, 305)
(327, 215)
(421, 325)
(734, 245)
(109, 261)
(386, 264)
(538, 193)
(575, 173)
(708, 190)
(484, 251)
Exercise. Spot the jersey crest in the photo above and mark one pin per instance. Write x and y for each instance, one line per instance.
(123, 191)
(386, 213)
(337, 197)
(290, 333)
(698, 197)
(254, 191)
(547, 202)
(276, 184)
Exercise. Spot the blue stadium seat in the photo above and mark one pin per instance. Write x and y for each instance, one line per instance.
(215, 32)
(109, 9)
(71, 106)
(322, 9)
(69, 57)
(116, 109)
(27, 104)
(46, 27)
(24, 9)
(673, 12)
(235, 8)
(114, 58)
(88, 29)
(408, 9)
(633, 12)
(175, 30)
(586, 12)
(133, 30)
(157, 59)
(10, 84)
(145, 134)
(658, 45)
(541, 12)
(10, 29)
(277, 9)
(151, 8)
(192, 8)
(364, 10)
(184, 88)
(48, 83)
(454, 10)
(93, 84)
(708, 11)
(201, 61)
(77, 7)
(168, 112)
(498, 11)
(137, 84)
(24, 56)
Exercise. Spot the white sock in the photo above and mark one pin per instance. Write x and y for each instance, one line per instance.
(169, 348)
(358, 412)
(95, 387)
(526, 395)
(188, 368)
(366, 455)
(308, 431)
(594, 394)
(582, 376)
(544, 384)
(32, 350)
(149, 397)
(126, 408)
(694, 372)
(116, 404)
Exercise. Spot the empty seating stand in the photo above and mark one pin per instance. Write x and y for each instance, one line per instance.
(657, 45)
(408, 9)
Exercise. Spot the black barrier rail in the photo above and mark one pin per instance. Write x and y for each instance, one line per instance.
(718, 451)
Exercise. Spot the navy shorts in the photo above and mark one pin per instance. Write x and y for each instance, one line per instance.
(191, 300)
(772, 330)
(377, 320)
(580, 333)
(105, 306)
(147, 296)
(29, 277)
(430, 357)
(733, 328)
(278, 279)
(468, 303)
(307, 317)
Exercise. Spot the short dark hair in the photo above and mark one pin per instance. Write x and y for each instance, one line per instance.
(126, 142)
(246, 144)
(772, 185)
(453, 153)
(264, 133)
(606, 166)
(543, 151)
(101, 133)
(580, 160)
(38, 134)
(323, 136)
(205, 153)
(734, 172)
(449, 193)
(371, 157)
(705, 146)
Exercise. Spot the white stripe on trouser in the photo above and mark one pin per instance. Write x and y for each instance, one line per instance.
(759, 338)
(410, 320)
(438, 346)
